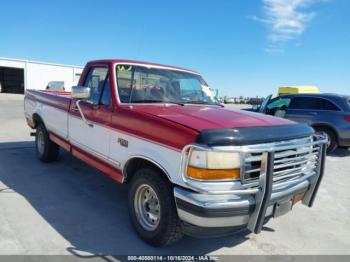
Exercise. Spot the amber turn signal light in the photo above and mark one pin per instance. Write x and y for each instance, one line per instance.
(298, 198)
(212, 174)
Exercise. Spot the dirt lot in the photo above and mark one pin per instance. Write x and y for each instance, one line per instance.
(69, 208)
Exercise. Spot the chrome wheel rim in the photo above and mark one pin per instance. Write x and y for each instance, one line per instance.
(40, 143)
(147, 207)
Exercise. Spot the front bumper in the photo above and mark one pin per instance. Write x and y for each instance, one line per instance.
(235, 210)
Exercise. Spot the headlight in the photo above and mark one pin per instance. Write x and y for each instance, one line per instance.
(210, 165)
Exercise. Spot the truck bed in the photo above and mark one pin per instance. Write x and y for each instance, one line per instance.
(58, 99)
(52, 106)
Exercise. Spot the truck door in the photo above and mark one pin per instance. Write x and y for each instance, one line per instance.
(93, 135)
(303, 109)
(313, 110)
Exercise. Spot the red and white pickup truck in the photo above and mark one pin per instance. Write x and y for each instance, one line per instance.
(193, 166)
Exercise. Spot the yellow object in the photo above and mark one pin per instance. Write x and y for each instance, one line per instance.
(213, 174)
(298, 90)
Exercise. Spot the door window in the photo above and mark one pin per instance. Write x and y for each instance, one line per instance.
(278, 106)
(278, 103)
(313, 103)
(106, 94)
(328, 105)
(97, 80)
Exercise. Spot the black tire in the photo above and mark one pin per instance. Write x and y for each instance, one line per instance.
(333, 141)
(169, 228)
(48, 151)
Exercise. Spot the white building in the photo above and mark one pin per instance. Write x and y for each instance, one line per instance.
(16, 75)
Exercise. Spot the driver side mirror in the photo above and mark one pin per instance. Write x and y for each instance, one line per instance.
(81, 92)
(255, 108)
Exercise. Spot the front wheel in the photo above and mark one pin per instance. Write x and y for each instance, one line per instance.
(152, 208)
(332, 144)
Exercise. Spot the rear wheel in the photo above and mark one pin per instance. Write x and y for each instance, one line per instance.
(332, 138)
(152, 208)
(47, 150)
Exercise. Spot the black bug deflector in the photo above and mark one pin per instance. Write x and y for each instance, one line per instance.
(253, 135)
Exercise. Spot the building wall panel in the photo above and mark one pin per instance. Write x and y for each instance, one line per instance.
(38, 74)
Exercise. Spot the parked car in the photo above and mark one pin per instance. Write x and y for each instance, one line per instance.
(229, 100)
(329, 113)
(255, 101)
(55, 86)
(193, 166)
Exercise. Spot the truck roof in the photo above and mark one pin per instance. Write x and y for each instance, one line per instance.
(322, 95)
(144, 63)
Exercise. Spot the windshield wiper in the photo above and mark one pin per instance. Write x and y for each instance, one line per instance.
(157, 101)
(199, 102)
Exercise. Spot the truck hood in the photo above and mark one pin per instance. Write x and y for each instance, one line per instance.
(200, 117)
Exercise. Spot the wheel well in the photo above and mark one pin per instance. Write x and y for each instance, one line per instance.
(37, 120)
(136, 163)
(316, 126)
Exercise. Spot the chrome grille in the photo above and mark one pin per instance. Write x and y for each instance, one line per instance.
(288, 164)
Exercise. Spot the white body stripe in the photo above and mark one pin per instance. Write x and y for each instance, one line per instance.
(56, 120)
(93, 138)
(168, 159)
(102, 141)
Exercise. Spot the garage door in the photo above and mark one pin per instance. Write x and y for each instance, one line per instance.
(11, 80)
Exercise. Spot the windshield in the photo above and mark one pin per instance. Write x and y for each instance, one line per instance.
(138, 84)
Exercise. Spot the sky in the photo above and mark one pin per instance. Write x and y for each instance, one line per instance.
(241, 47)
